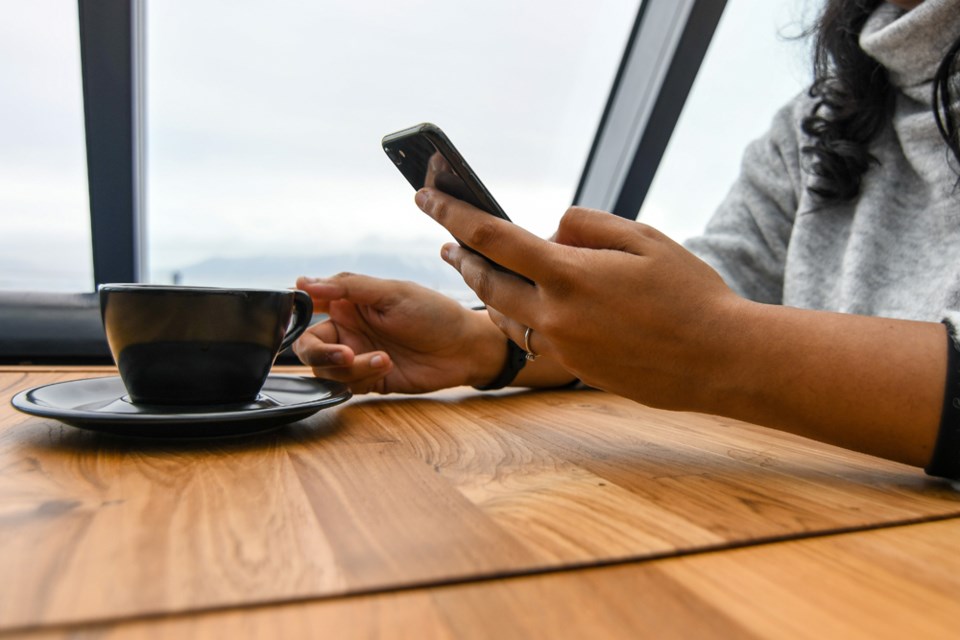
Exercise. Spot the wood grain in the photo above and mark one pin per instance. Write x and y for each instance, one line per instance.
(383, 493)
(883, 584)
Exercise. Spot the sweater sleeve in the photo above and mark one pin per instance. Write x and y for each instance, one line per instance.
(746, 239)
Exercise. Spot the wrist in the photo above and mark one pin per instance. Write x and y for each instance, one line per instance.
(724, 369)
(487, 353)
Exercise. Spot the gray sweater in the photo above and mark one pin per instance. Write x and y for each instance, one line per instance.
(895, 250)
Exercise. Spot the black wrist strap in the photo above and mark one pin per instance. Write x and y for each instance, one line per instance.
(516, 360)
(946, 454)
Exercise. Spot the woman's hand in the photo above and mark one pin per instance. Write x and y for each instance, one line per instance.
(626, 309)
(392, 336)
(614, 302)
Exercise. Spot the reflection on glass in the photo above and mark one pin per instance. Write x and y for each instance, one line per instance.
(264, 126)
(44, 212)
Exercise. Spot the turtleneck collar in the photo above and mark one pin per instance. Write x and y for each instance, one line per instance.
(911, 44)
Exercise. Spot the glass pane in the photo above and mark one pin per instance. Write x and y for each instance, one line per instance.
(753, 67)
(264, 127)
(44, 206)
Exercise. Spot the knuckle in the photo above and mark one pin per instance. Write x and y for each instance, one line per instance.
(482, 235)
(571, 216)
(561, 279)
(480, 283)
(579, 217)
(404, 288)
(439, 207)
(646, 230)
(304, 352)
(550, 324)
(313, 359)
(503, 324)
(556, 322)
(476, 276)
(327, 374)
(561, 288)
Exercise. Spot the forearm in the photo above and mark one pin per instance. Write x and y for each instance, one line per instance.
(627, 309)
(869, 384)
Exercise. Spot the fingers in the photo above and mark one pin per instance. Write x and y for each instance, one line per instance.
(356, 288)
(368, 374)
(372, 384)
(517, 332)
(362, 373)
(499, 240)
(493, 286)
(593, 229)
(318, 347)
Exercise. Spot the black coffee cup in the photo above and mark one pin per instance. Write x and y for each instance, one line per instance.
(178, 345)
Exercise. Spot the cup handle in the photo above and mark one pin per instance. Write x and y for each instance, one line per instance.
(302, 314)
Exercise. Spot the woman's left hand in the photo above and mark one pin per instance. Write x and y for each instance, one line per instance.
(614, 301)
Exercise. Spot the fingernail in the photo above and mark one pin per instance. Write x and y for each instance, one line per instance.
(310, 279)
(376, 361)
(422, 197)
(337, 357)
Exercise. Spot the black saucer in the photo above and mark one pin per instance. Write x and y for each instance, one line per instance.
(101, 404)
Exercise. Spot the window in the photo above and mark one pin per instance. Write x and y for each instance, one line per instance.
(252, 136)
(44, 215)
(752, 67)
(264, 124)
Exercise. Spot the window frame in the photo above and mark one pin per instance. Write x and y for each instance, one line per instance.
(661, 58)
(663, 55)
(111, 56)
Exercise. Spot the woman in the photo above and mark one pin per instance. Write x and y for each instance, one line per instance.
(822, 298)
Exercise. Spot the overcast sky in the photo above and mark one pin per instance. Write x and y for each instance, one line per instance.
(264, 121)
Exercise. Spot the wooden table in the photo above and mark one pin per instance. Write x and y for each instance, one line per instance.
(461, 514)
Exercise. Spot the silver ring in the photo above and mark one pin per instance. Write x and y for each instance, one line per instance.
(531, 355)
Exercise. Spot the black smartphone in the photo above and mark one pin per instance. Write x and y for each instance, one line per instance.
(427, 158)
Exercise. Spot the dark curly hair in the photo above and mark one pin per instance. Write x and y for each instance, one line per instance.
(854, 98)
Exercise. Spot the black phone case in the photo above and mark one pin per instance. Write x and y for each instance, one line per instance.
(410, 149)
(411, 139)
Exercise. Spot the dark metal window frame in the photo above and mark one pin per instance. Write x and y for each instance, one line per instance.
(661, 60)
(111, 58)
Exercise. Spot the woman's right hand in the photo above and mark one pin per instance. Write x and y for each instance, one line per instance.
(391, 336)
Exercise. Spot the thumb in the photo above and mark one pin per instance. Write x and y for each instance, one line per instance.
(593, 229)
